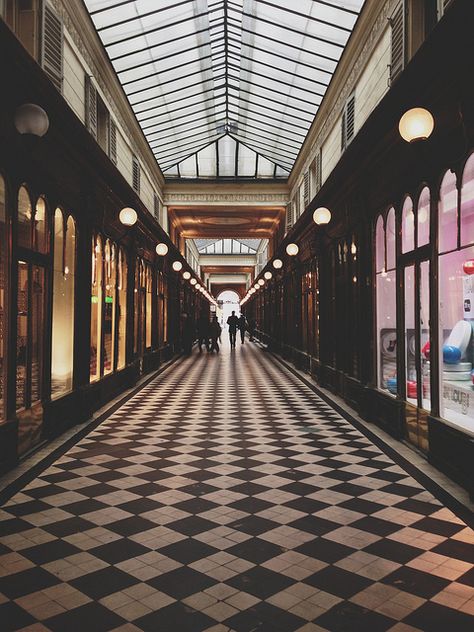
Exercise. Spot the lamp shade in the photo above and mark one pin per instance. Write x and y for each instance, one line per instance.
(177, 266)
(31, 119)
(193, 281)
(197, 286)
(256, 286)
(186, 275)
(128, 216)
(277, 264)
(292, 249)
(416, 124)
(322, 216)
(268, 275)
(261, 282)
(161, 249)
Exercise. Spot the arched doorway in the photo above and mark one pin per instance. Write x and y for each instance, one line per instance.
(228, 301)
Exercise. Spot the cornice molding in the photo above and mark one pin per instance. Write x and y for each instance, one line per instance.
(368, 31)
(172, 199)
(79, 27)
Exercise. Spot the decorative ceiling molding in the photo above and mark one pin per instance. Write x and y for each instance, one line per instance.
(215, 199)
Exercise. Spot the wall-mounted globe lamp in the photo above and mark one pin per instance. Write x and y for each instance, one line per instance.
(416, 124)
(261, 282)
(268, 275)
(193, 281)
(277, 264)
(322, 216)
(186, 275)
(292, 250)
(161, 249)
(177, 266)
(128, 216)
(30, 119)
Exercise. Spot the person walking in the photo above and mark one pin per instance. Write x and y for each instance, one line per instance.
(202, 328)
(233, 323)
(242, 327)
(214, 333)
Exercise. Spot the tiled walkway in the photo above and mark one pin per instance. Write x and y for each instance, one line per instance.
(226, 496)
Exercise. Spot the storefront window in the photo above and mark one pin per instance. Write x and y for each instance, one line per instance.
(3, 298)
(149, 300)
(162, 289)
(109, 306)
(408, 226)
(96, 309)
(447, 214)
(423, 218)
(62, 347)
(40, 236)
(122, 308)
(386, 334)
(24, 218)
(456, 310)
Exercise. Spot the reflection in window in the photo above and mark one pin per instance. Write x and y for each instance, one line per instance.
(62, 345)
(385, 285)
(408, 226)
(162, 289)
(96, 309)
(122, 308)
(410, 336)
(423, 218)
(447, 214)
(24, 218)
(39, 227)
(109, 306)
(467, 204)
(3, 298)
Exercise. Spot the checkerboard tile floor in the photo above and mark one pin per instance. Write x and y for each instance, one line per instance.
(227, 496)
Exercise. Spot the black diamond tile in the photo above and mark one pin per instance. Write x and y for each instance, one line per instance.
(31, 580)
(467, 578)
(12, 617)
(182, 582)
(260, 582)
(131, 526)
(349, 617)
(176, 617)
(140, 505)
(253, 525)
(325, 550)
(92, 617)
(251, 505)
(416, 582)
(338, 582)
(192, 525)
(440, 527)
(314, 525)
(361, 505)
(50, 551)
(15, 525)
(188, 551)
(82, 507)
(69, 526)
(196, 505)
(308, 505)
(255, 550)
(119, 550)
(104, 582)
(418, 506)
(23, 509)
(457, 549)
(392, 550)
(376, 526)
(437, 618)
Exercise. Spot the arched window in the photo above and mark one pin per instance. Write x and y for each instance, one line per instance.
(379, 245)
(391, 239)
(467, 203)
(24, 218)
(448, 213)
(40, 235)
(408, 226)
(96, 310)
(122, 307)
(110, 281)
(64, 264)
(423, 218)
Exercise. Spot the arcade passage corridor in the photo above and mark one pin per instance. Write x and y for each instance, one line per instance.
(227, 496)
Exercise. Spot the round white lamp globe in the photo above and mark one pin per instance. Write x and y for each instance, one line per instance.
(128, 216)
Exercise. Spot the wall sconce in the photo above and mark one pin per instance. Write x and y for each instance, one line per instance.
(292, 250)
(186, 275)
(268, 275)
(177, 266)
(277, 264)
(416, 124)
(128, 216)
(322, 216)
(256, 286)
(31, 119)
(193, 281)
(261, 282)
(161, 249)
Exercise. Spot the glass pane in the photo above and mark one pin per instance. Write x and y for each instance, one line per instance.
(96, 310)
(149, 300)
(408, 226)
(456, 292)
(24, 218)
(22, 335)
(109, 307)
(410, 340)
(424, 217)
(467, 204)
(391, 239)
(380, 245)
(447, 214)
(122, 308)
(425, 334)
(386, 332)
(3, 298)
(62, 346)
(37, 329)
(39, 227)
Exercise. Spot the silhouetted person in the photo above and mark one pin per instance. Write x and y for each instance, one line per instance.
(214, 333)
(252, 327)
(233, 323)
(187, 334)
(242, 327)
(202, 328)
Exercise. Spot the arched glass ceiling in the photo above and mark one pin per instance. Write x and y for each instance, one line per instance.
(227, 246)
(216, 83)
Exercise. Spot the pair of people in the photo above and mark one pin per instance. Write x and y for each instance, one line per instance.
(208, 333)
(235, 323)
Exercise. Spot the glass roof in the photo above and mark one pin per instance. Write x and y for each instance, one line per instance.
(227, 246)
(225, 88)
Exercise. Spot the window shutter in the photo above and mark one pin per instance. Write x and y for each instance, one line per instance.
(397, 59)
(343, 130)
(316, 174)
(112, 141)
(91, 107)
(306, 188)
(52, 47)
(350, 119)
(135, 174)
(157, 207)
(289, 216)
